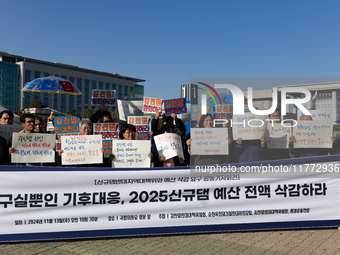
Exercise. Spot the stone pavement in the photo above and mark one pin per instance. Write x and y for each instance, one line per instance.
(315, 241)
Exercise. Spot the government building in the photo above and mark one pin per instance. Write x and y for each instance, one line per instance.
(16, 71)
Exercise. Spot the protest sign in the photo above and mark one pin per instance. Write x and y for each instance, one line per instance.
(224, 111)
(7, 130)
(101, 96)
(169, 145)
(324, 114)
(109, 132)
(33, 148)
(81, 149)
(177, 106)
(313, 134)
(65, 126)
(249, 126)
(131, 153)
(277, 136)
(143, 126)
(152, 105)
(196, 111)
(209, 141)
(52, 203)
(129, 108)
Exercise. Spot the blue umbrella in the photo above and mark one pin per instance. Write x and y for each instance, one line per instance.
(52, 84)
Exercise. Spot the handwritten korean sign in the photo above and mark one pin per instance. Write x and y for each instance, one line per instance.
(277, 136)
(81, 149)
(169, 145)
(129, 108)
(33, 148)
(109, 132)
(152, 105)
(209, 141)
(313, 134)
(177, 106)
(131, 153)
(7, 130)
(249, 126)
(106, 97)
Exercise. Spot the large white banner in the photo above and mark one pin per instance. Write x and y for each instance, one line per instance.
(55, 201)
(209, 141)
(33, 148)
(129, 108)
(249, 126)
(313, 134)
(131, 153)
(81, 149)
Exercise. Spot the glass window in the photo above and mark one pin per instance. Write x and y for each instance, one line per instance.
(126, 92)
(131, 93)
(107, 86)
(63, 103)
(120, 95)
(27, 94)
(100, 85)
(79, 84)
(71, 97)
(87, 92)
(46, 74)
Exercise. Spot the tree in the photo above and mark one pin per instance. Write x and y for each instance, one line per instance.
(37, 103)
(72, 112)
(87, 113)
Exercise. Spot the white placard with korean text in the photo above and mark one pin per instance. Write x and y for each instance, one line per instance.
(277, 135)
(324, 114)
(129, 108)
(209, 141)
(249, 126)
(81, 149)
(33, 148)
(313, 134)
(169, 145)
(131, 153)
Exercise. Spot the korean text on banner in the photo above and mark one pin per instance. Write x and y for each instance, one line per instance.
(109, 132)
(106, 97)
(7, 130)
(152, 105)
(249, 126)
(169, 145)
(81, 149)
(209, 141)
(313, 134)
(84, 203)
(129, 108)
(131, 153)
(33, 148)
(177, 106)
(277, 136)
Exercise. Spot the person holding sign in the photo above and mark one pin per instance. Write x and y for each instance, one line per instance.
(27, 122)
(274, 153)
(310, 152)
(85, 128)
(162, 161)
(128, 132)
(176, 124)
(102, 115)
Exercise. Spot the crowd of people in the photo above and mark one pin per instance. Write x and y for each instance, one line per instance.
(239, 150)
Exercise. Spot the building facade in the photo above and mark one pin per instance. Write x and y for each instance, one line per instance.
(15, 71)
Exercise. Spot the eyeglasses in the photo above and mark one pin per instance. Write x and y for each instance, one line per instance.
(30, 122)
(128, 132)
(86, 128)
(38, 124)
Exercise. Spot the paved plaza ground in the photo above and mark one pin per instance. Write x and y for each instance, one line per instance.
(311, 241)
